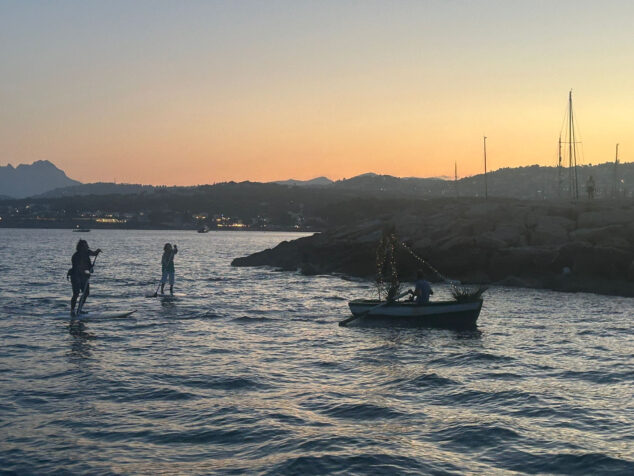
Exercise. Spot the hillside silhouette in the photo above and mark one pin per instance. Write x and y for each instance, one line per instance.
(531, 182)
(27, 180)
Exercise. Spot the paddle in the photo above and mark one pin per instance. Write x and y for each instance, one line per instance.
(155, 292)
(82, 300)
(350, 319)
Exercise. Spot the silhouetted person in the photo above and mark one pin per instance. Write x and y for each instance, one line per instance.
(422, 289)
(80, 272)
(590, 188)
(167, 267)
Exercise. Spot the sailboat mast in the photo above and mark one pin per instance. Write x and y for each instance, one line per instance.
(616, 179)
(559, 179)
(486, 192)
(572, 152)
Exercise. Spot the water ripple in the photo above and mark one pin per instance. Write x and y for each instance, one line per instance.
(247, 372)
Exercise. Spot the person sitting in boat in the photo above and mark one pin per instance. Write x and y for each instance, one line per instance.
(80, 272)
(422, 289)
(167, 267)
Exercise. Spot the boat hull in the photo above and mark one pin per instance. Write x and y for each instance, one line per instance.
(448, 314)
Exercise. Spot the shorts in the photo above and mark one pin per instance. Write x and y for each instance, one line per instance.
(168, 275)
(78, 283)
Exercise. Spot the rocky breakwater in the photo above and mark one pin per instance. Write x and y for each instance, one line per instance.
(583, 246)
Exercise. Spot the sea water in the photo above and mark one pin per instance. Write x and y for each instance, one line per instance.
(250, 374)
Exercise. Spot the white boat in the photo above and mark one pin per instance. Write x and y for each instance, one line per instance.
(451, 314)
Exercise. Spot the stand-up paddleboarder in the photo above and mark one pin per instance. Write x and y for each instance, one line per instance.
(167, 267)
(80, 272)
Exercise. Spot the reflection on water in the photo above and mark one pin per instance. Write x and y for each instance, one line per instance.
(80, 342)
(249, 373)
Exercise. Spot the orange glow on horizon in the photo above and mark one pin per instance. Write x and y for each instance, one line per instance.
(207, 93)
(168, 147)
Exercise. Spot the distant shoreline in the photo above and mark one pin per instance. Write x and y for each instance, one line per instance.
(158, 228)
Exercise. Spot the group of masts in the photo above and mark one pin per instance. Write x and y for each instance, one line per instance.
(571, 144)
(572, 155)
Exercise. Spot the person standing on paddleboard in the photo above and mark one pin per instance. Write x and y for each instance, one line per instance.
(167, 267)
(80, 272)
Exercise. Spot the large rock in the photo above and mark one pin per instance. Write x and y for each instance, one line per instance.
(602, 262)
(488, 242)
(455, 243)
(602, 218)
(549, 221)
(548, 234)
(511, 234)
(516, 243)
(525, 261)
(611, 236)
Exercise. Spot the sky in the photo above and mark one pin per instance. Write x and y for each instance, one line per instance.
(191, 92)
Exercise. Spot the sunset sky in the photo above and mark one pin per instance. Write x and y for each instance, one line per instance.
(188, 92)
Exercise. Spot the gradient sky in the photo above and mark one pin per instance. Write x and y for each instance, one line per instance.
(187, 92)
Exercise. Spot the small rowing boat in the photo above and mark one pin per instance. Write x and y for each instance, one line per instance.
(452, 314)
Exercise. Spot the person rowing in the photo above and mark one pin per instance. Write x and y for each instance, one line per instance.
(80, 273)
(422, 289)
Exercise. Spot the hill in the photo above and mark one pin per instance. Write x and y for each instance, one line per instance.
(316, 182)
(532, 182)
(97, 188)
(34, 179)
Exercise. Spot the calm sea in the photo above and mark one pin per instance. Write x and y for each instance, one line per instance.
(250, 374)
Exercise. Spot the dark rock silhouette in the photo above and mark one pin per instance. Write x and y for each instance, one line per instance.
(585, 246)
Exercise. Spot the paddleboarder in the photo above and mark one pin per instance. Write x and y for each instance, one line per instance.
(80, 272)
(167, 267)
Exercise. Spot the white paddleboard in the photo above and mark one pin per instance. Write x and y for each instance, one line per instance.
(167, 296)
(90, 315)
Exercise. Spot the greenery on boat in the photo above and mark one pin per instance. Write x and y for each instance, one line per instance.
(387, 281)
(467, 293)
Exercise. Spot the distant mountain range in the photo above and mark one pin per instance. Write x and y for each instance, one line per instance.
(312, 207)
(28, 180)
(43, 180)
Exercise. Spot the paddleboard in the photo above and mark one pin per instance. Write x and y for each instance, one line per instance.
(90, 315)
(166, 296)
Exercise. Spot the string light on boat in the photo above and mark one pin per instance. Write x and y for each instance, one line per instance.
(459, 291)
(424, 262)
(386, 266)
